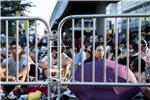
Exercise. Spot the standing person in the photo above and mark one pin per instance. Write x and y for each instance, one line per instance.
(24, 67)
(23, 37)
(31, 39)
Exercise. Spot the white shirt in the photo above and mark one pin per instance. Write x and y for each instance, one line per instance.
(31, 38)
(146, 56)
(54, 61)
(2, 50)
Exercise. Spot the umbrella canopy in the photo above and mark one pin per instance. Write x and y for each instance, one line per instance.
(91, 92)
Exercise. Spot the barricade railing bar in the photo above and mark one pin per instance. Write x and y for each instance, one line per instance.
(75, 78)
(26, 60)
(94, 17)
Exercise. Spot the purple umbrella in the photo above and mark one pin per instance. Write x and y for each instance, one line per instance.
(91, 92)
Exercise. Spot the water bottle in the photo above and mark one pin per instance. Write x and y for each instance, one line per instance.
(23, 97)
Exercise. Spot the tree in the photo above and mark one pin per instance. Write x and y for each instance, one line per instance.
(9, 8)
(13, 8)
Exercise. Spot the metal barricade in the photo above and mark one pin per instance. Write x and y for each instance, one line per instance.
(72, 19)
(49, 37)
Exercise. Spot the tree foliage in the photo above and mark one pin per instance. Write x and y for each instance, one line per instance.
(9, 8)
(13, 8)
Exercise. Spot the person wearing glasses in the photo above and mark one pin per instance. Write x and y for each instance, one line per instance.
(23, 64)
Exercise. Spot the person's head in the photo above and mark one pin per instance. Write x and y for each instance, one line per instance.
(13, 47)
(143, 45)
(3, 44)
(99, 51)
(89, 52)
(134, 65)
(54, 49)
(54, 52)
(24, 31)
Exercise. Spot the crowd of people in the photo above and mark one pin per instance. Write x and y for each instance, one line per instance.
(26, 63)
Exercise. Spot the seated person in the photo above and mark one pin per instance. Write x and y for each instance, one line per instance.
(88, 54)
(66, 61)
(145, 54)
(134, 68)
(99, 52)
(78, 57)
(23, 63)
